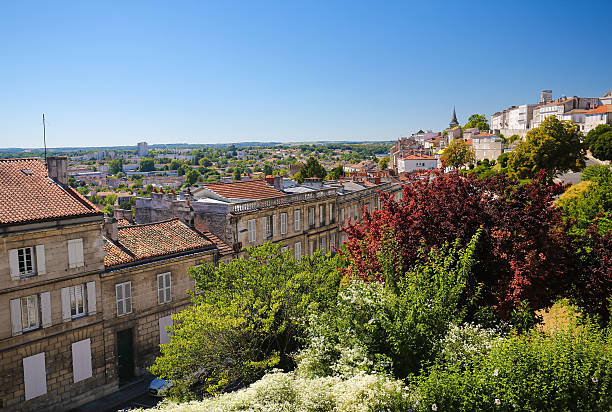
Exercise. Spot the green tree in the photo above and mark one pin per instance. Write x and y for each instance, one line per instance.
(383, 163)
(205, 161)
(599, 142)
(336, 173)
(247, 317)
(555, 146)
(312, 168)
(458, 154)
(191, 177)
(477, 120)
(115, 166)
(175, 164)
(237, 173)
(146, 164)
(267, 169)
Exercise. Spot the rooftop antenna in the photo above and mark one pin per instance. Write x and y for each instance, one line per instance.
(45, 137)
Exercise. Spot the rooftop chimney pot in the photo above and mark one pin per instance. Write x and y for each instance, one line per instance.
(56, 168)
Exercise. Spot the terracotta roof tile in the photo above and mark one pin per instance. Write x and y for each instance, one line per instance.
(152, 240)
(418, 157)
(27, 194)
(224, 248)
(604, 108)
(251, 190)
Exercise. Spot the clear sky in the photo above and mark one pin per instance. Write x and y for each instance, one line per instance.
(115, 73)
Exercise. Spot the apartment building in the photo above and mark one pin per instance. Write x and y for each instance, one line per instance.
(144, 281)
(303, 217)
(51, 334)
(84, 302)
(487, 146)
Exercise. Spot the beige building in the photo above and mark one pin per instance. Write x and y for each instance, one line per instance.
(303, 217)
(81, 311)
(487, 146)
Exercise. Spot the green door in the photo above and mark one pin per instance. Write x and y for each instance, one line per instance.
(125, 356)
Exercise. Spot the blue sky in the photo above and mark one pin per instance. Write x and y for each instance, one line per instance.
(207, 72)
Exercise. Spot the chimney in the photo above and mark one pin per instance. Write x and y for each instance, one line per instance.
(56, 167)
(110, 228)
(278, 183)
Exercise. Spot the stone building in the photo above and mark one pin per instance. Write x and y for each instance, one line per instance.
(145, 280)
(302, 217)
(51, 333)
(83, 303)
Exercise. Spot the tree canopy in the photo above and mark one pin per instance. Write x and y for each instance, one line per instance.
(247, 317)
(458, 154)
(477, 120)
(555, 146)
(146, 164)
(599, 141)
(312, 168)
(115, 166)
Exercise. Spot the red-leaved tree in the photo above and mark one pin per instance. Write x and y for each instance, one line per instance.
(524, 251)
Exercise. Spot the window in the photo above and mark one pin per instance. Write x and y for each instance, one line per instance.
(342, 215)
(124, 298)
(332, 241)
(356, 211)
(164, 288)
(25, 314)
(77, 301)
(331, 213)
(297, 220)
(322, 242)
(321, 215)
(252, 230)
(312, 247)
(283, 228)
(297, 250)
(311, 217)
(25, 257)
(164, 335)
(266, 227)
(27, 261)
(29, 313)
(75, 253)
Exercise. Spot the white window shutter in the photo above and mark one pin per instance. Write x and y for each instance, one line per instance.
(128, 297)
(14, 264)
(264, 220)
(91, 298)
(34, 376)
(40, 260)
(81, 360)
(16, 316)
(274, 224)
(45, 307)
(75, 253)
(66, 315)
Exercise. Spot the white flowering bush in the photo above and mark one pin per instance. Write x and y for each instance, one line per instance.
(463, 343)
(278, 392)
(565, 370)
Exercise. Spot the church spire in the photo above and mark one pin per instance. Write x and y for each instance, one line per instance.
(454, 121)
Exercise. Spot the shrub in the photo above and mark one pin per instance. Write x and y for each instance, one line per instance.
(289, 392)
(568, 369)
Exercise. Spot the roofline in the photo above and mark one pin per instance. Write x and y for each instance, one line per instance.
(50, 219)
(138, 262)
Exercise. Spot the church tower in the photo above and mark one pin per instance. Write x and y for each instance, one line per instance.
(453, 121)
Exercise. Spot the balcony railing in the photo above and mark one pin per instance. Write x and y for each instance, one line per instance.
(282, 200)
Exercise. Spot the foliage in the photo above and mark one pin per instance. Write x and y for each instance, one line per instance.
(599, 141)
(192, 176)
(391, 326)
(312, 168)
(522, 254)
(555, 146)
(336, 173)
(463, 343)
(561, 371)
(115, 166)
(290, 392)
(267, 170)
(458, 154)
(479, 121)
(146, 164)
(247, 317)
(383, 163)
